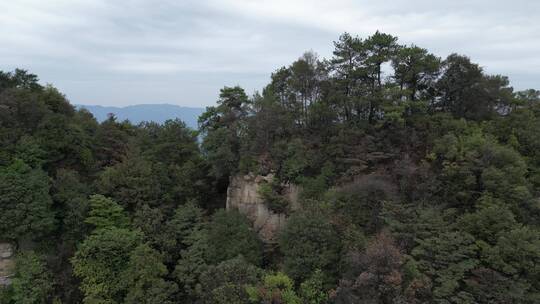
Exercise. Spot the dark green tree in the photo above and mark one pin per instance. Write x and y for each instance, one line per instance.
(309, 242)
(105, 213)
(100, 261)
(230, 235)
(145, 278)
(25, 204)
(226, 282)
(466, 92)
(415, 71)
(32, 283)
(223, 127)
(447, 260)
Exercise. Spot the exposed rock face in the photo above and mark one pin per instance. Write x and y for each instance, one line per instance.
(7, 263)
(243, 195)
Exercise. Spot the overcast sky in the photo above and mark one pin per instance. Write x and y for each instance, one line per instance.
(182, 52)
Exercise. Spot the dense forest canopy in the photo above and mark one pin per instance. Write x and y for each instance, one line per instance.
(420, 181)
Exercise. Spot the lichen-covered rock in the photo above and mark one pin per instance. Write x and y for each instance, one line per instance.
(7, 263)
(243, 194)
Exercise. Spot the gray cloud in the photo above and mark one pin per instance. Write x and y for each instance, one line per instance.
(182, 52)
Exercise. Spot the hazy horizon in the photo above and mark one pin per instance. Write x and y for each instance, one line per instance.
(139, 104)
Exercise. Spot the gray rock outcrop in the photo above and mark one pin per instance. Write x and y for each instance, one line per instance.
(243, 195)
(7, 263)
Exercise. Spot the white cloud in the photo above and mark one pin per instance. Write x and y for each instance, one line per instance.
(100, 43)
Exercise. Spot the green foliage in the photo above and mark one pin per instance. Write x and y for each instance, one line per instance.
(226, 282)
(360, 202)
(488, 222)
(312, 290)
(275, 288)
(230, 235)
(191, 265)
(476, 164)
(25, 203)
(111, 139)
(100, 261)
(467, 92)
(296, 160)
(32, 283)
(409, 222)
(144, 278)
(446, 260)
(105, 213)
(273, 200)
(180, 229)
(415, 71)
(132, 183)
(516, 252)
(309, 242)
(375, 274)
(223, 127)
(315, 187)
(70, 194)
(19, 79)
(419, 180)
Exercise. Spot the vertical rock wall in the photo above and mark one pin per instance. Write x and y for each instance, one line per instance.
(242, 195)
(7, 263)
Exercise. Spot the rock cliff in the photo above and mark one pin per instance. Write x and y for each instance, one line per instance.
(243, 195)
(7, 263)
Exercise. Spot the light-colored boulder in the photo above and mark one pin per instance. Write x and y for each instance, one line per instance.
(243, 195)
(7, 263)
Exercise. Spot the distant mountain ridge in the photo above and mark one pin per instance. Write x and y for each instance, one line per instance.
(147, 112)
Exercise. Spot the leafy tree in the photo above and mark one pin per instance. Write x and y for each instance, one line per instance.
(447, 261)
(191, 265)
(19, 79)
(151, 222)
(415, 71)
(144, 278)
(132, 183)
(272, 198)
(348, 54)
(223, 127)
(111, 141)
(230, 235)
(226, 282)
(30, 152)
(468, 172)
(361, 201)
(170, 143)
(275, 288)
(105, 213)
(488, 222)
(100, 261)
(377, 276)
(180, 229)
(489, 286)
(172, 149)
(312, 291)
(466, 92)
(32, 282)
(309, 242)
(65, 144)
(70, 194)
(26, 206)
(381, 48)
(516, 254)
(410, 223)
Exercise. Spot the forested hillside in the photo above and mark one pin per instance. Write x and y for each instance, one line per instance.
(420, 181)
